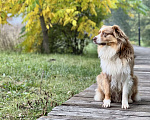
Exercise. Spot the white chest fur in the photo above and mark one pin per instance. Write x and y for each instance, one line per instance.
(111, 64)
(114, 67)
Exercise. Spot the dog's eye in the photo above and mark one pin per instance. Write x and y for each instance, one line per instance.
(105, 34)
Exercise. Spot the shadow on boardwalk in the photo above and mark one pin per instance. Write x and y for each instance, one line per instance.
(83, 106)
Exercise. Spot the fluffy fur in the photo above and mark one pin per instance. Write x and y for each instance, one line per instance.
(117, 81)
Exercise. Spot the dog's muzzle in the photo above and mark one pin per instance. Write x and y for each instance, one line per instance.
(94, 41)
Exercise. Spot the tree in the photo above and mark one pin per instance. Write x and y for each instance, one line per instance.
(69, 40)
(145, 25)
(133, 22)
(128, 20)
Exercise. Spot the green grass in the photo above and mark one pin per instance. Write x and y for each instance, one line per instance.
(32, 84)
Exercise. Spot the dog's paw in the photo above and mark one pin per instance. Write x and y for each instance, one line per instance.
(106, 103)
(125, 105)
(98, 96)
(130, 100)
(137, 98)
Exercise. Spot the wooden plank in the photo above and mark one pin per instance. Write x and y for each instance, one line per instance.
(142, 69)
(142, 66)
(102, 110)
(142, 56)
(61, 117)
(142, 73)
(64, 117)
(98, 113)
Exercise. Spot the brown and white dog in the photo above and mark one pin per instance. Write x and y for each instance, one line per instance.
(117, 81)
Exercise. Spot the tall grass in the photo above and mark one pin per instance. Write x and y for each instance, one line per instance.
(9, 36)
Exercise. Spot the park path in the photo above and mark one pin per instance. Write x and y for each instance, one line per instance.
(82, 105)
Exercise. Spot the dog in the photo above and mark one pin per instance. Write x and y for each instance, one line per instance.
(117, 82)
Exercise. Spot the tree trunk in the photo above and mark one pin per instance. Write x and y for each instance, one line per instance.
(45, 43)
(75, 49)
(81, 46)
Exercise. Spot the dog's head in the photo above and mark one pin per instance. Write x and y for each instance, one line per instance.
(111, 36)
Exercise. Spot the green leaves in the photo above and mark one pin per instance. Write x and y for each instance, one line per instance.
(136, 5)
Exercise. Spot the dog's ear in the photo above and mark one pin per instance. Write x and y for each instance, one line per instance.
(119, 34)
(121, 37)
(126, 51)
(124, 48)
(121, 46)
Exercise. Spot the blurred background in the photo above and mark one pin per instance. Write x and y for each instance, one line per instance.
(70, 29)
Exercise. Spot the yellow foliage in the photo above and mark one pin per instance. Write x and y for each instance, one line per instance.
(67, 20)
(47, 26)
(40, 3)
(55, 12)
(74, 23)
(92, 9)
(36, 9)
(131, 15)
(51, 25)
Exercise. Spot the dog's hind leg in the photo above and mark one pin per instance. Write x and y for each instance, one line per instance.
(99, 95)
(129, 99)
(135, 96)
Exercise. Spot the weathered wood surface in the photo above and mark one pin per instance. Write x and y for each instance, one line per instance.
(82, 105)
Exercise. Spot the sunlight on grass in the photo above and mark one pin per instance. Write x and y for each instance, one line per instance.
(32, 84)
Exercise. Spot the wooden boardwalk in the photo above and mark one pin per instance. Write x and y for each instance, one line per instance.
(82, 105)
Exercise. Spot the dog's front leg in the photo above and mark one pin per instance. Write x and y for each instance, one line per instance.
(125, 93)
(106, 84)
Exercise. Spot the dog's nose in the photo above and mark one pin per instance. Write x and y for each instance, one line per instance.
(94, 39)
